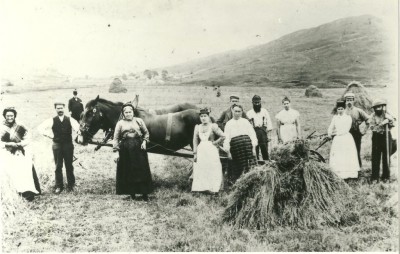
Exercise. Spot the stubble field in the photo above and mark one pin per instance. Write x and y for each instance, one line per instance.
(93, 218)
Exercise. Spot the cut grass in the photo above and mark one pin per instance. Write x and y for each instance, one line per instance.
(95, 219)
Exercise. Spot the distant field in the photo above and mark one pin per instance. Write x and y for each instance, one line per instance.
(95, 219)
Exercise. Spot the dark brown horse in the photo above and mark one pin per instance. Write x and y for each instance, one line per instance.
(172, 109)
(171, 131)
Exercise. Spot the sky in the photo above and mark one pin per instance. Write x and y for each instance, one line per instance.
(100, 38)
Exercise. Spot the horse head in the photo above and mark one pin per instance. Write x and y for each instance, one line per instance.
(92, 120)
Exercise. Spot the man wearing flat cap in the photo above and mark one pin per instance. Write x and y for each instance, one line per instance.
(358, 116)
(380, 123)
(228, 114)
(60, 129)
(75, 106)
(261, 121)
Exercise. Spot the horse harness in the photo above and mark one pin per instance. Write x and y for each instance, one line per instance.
(169, 128)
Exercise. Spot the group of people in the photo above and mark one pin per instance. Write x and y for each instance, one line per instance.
(345, 159)
(17, 157)
(241, 135)
(244, 134)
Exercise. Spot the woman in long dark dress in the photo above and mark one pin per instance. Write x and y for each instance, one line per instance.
(15, 157)
(133, 170)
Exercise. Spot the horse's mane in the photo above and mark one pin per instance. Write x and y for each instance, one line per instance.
(91, 103)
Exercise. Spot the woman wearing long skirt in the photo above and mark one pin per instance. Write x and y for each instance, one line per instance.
(16, 158)
(133, 170)
(288, 123)
(343, 158)
(240, 144)
(207, 169)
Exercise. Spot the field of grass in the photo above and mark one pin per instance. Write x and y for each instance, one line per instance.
(93, 218)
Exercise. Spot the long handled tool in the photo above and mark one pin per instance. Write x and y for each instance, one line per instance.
(387, 139)
(324, 141)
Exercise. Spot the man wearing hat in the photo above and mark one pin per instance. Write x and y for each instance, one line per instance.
(261, 121)
(381, 140)
(228, 114)
(60, 129)
(75, 106)
(358, 116)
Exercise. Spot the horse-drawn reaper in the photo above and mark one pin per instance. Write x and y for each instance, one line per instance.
(170, 129)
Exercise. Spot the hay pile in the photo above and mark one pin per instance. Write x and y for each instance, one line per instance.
(362, 99)
(313, 91)
(12, 204)
(117, 87)
(290, 191)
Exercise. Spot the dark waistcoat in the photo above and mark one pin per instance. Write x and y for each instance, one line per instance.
(62, 130)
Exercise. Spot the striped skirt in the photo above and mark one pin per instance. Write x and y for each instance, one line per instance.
(242, 156)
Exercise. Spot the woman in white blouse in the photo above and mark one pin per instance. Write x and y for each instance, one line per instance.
(343, 158)
(288, 123)
(240, 144)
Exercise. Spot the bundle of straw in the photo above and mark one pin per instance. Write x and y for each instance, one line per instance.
(11, 203)
(255, 208)
(312, 91)
(361, 97)
(289, 155)
(292, 191)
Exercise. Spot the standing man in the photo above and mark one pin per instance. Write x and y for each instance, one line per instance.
(60, 129)
(358, 116)
(228, 114)
(75, 106)
(380, 123)
(259, 118)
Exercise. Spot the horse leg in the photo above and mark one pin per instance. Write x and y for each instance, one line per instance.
(106, 138)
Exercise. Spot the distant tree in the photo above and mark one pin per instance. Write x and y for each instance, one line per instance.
(124, 77)
(148, 74)
(164, 74)
(154, 73)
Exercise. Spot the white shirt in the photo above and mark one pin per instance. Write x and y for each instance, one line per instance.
(234, 128)
(45, 127)
(340, 125)
(288, 116)
(260, 118)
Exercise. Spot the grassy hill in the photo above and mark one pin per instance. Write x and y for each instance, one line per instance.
(354, 48)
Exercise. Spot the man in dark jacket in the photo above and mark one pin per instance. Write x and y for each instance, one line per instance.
(228, 114)
(381, 140)
(75, 106)
(60, 129)
(358, 116)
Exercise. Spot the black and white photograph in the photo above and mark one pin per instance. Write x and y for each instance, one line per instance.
(199, 126)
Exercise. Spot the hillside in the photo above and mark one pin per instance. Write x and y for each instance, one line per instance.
(354, 48)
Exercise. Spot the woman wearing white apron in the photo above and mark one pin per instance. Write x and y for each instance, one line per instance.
(16, 158)
(343, 158)
(207, 168)
(288, 123)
